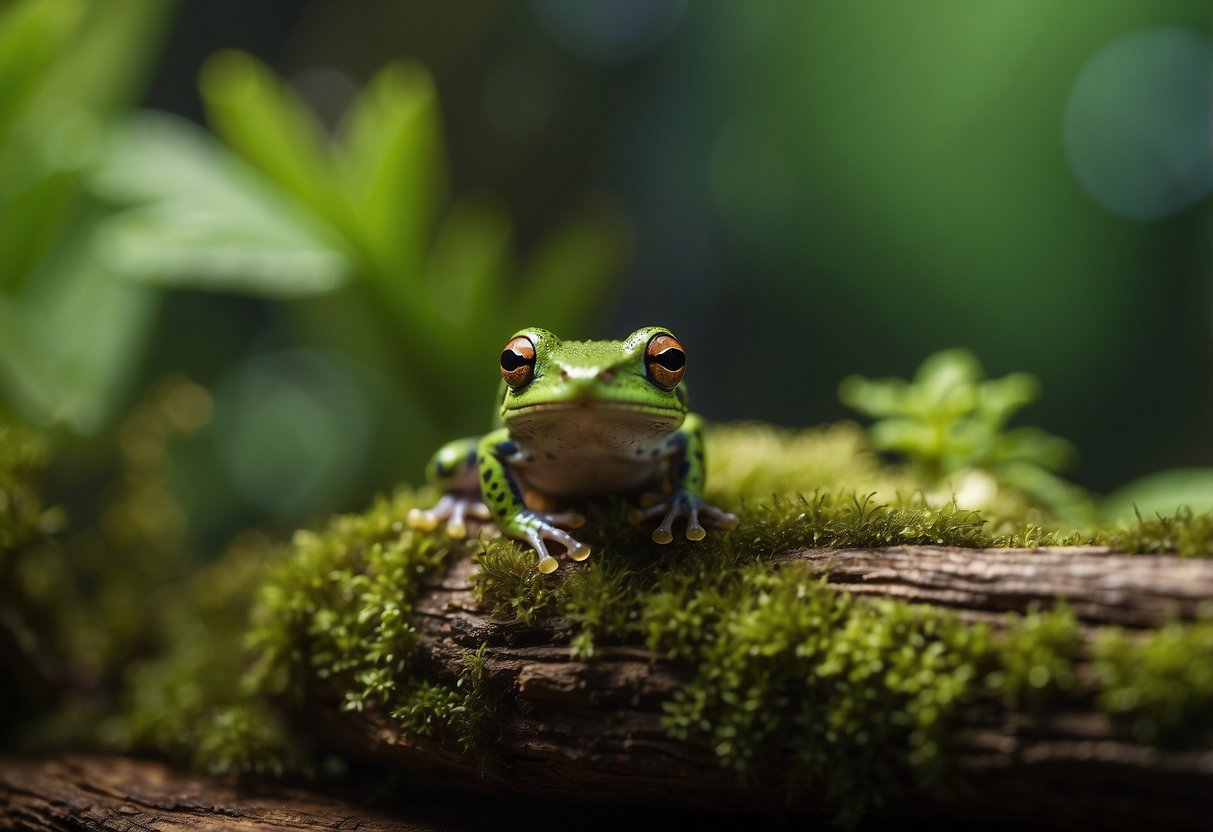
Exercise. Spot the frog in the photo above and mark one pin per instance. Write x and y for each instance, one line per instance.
(577, 420)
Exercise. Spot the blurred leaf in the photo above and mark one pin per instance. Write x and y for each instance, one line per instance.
(883, 397)
(395, 170)
(1161, 494)
(469, 260)
(30, 221)
(31, 35)
(110, 57)
(259, 117)
(205, 220)
(568, 279)
(70, 345)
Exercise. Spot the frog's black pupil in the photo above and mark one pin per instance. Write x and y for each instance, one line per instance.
(672, 360)
(511, 361)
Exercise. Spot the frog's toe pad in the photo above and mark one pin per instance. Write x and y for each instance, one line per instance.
(682, 506)
(423, 520)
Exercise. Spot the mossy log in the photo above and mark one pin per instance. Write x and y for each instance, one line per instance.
(575, 729)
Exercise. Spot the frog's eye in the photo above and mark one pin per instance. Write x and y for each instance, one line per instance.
(665, 361)
(518, 362)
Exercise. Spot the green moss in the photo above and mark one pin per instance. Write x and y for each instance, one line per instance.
(1036, 659)
(1160, 684)
(338, 607)
(1184, 533)
(23, 519)
(334, 618)
(188, 699)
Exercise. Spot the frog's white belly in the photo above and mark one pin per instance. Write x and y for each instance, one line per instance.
(586, 452)
(588, 477)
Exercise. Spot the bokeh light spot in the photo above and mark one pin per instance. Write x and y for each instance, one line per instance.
(608, 31)
(1138, 123)
(292, 430)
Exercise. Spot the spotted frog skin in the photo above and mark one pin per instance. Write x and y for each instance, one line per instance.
(578, 419)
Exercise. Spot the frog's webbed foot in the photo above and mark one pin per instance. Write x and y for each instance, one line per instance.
(537, 528)
(680, 505)
(456, 509)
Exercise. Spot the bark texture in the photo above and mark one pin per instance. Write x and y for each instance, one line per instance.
(114, 793)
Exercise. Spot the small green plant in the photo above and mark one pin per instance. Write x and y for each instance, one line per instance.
(950, 424)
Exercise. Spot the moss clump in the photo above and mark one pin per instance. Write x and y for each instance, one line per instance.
(189, 699)
(595, 595)
(1160, 684)
(752, 461)
(795, 681)
(23, 519)
(1184, 533)
(334, 618)
(1037, 657)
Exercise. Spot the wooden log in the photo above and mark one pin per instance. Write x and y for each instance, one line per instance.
(576, 730)
(592, 731)
(79, 792)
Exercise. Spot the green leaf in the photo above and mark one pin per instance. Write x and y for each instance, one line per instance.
(395, 171)
(30, 221)
(469, 260)
(69, 346)
(205, 220)
(111, 55)
(31, 35)
(1161, 494)
(259, 117)
(874, 397)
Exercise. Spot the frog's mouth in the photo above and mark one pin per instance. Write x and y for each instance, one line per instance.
(612, 422)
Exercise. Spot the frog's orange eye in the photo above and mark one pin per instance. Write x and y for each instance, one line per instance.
(665, 361)
(518, 362)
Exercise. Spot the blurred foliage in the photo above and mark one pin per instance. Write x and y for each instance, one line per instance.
(950, 424)
(1160, 684)
(282, 210)
(96, 596)
(28, 675)
(1160, 493)
(71, 332)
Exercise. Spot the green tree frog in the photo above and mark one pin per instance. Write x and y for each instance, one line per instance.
(578, 419)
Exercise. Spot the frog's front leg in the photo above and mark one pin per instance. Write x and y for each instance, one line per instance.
(453, 469)
(685, 500)
(502, 494)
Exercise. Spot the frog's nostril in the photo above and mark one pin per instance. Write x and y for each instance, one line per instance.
(564, 375)
(606, 375)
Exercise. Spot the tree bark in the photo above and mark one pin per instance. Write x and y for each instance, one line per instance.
(76, 792)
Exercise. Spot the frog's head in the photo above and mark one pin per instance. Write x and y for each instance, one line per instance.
(635, 382)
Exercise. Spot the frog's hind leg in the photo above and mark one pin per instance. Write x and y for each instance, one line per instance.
(454, 470)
